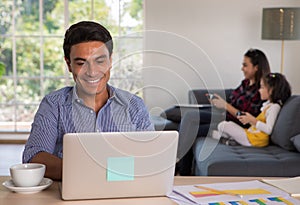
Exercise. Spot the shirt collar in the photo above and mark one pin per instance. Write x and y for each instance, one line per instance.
(246, 83)
(264, 105)
(112, 93)
(69, 97)
(75, 97)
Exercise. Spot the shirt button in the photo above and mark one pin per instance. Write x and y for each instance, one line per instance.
(91, 111)
(78, 100)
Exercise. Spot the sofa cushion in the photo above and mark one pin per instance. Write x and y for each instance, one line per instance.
(172, 113)
(196, 96)
(177, 112)
(296, 142)
(163, 124)
(286, 125)
(212, 159)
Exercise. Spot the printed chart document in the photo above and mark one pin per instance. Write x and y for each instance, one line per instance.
(235, 193)
(289, 185)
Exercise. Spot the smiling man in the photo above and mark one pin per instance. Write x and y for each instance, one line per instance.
(92, 105)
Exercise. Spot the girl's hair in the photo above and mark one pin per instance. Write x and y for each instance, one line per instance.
(281, 89)
(259, 59)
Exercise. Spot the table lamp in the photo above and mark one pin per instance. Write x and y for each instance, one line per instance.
(281, 24)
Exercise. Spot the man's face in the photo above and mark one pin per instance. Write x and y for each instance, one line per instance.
(90, 65)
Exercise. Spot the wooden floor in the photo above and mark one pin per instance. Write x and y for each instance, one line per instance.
(10, 154)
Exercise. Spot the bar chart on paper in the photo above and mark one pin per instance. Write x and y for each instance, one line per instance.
(236, 193)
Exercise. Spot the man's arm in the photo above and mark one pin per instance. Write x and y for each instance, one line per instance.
(141, 116)
(52, 162)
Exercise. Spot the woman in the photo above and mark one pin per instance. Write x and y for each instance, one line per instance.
(245, 98)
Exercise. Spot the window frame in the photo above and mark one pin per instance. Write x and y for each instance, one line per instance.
(15, 125)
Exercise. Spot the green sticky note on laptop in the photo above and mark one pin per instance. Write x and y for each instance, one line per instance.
(120, 168)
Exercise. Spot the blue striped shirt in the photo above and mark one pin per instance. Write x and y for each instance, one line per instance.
(63, 112)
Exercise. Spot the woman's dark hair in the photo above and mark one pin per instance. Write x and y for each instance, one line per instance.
(85, 31)
(281, 89)
(259, 59)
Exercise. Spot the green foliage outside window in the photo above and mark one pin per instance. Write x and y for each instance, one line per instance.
(2, 68)
(39, 61)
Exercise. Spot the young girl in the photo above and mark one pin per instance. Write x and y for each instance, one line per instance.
(275, 89)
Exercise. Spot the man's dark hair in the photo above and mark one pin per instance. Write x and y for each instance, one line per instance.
(86, 31)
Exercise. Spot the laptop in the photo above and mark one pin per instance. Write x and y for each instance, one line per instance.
(118, 164)
(199, 106)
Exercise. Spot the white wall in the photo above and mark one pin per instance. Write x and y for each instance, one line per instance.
(200, 44)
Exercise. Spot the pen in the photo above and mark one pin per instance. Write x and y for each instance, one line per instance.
(218, 191)
(295, 195)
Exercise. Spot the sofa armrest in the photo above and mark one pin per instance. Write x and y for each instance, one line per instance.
(296, 141)
(198, 96)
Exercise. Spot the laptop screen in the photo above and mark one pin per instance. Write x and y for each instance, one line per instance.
(118, 164)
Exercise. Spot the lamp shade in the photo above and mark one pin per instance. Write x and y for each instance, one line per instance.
(281, 23)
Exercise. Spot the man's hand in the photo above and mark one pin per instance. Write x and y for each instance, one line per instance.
(52, 162)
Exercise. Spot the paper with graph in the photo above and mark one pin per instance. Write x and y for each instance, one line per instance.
(234, 193)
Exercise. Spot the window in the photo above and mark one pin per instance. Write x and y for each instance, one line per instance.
(31, 38)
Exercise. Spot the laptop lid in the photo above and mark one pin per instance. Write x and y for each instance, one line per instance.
(118, 164)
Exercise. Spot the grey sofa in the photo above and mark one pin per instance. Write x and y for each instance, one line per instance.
(171, 117)
(280, 158)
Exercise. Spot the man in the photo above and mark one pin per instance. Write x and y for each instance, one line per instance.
(90, 106)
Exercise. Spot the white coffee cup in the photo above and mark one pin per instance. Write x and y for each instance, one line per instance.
(28, 174)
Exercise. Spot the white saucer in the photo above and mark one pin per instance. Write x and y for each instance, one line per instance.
(28, 190)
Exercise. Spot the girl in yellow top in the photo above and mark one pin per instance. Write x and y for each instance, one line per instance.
(275, 89)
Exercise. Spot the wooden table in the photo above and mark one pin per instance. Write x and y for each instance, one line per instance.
(52, 194)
